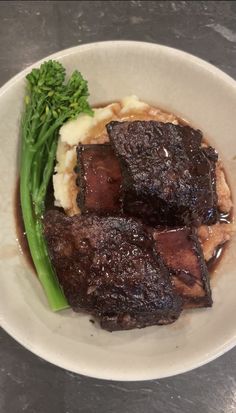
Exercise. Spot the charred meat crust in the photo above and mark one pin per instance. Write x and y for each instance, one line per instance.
(167, 176)
(108, 266)
(182, 254)
(116, 322)
(99, 180)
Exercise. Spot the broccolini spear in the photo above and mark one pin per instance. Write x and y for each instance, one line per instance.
(50, 101)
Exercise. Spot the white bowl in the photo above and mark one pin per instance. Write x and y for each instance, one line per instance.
(172, 80)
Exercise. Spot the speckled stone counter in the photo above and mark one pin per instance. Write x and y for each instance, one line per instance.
(30, 30)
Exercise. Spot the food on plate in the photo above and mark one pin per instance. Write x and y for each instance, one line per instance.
(213, 237)
(92, 130)
(49, 102)
(167, 177)
(108, 267)
(141, 204)
(99, 180)
(182, 254)
(222, 190)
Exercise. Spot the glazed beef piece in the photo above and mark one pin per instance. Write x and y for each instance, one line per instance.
(99, 180)
(108, 267)
(181, 252)
(167, 177)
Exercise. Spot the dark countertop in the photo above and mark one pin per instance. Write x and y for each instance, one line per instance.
(30, 30)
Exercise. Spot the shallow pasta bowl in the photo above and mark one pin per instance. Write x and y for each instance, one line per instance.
(190, 88)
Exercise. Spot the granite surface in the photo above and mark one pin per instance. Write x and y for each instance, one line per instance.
(30, 30)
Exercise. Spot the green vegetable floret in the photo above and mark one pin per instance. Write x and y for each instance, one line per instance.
(50, 101)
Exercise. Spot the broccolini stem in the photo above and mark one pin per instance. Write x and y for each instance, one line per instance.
(33, 229)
